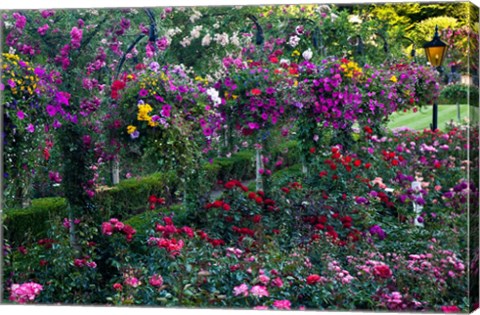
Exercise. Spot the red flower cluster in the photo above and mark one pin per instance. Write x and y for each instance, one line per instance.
(243, 231)
(46, 242)
(218, 204)
(153, 200)
(382, 271)
(114, 225)
(294, 185)
(236, 183)
(117, 86)
(390, 156)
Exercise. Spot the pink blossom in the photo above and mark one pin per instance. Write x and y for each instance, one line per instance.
(259, 291)
(156, 281)
(264, 279)
(22, 293)
(282, 304)
(132, 281)
(241, 290)
(278, 282)
(107, 228)
(31, 128)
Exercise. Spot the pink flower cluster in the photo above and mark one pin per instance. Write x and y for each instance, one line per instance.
(256, 290)
(114, 225)
(22, 293)
(341, 275)
(84, 262)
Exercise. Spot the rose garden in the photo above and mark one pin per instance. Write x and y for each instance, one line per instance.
(239, 157)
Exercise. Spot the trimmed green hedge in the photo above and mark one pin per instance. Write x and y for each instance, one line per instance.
(239, 166)
(129, 197)
(32, 222)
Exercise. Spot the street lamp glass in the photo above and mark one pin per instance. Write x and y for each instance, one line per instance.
(435, 55)
(435, 50)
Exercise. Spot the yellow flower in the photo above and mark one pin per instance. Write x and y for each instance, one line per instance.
(393, 79)
(143, 110)
(131, 129)
(152, 123)
(295, 53)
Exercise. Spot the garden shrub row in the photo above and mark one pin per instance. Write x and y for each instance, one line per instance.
(32, 222)
(129, 197)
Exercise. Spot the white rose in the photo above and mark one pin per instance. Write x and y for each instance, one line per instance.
(307, 54)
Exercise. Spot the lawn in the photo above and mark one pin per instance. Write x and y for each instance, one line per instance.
(423, 118)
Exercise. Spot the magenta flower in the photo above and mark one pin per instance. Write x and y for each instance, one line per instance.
(76, 37)
(42, 30)
(31, 128)
(156, 281)
(143, 93)
(21, 115)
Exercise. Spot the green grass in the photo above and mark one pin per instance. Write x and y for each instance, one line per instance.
(423, 118)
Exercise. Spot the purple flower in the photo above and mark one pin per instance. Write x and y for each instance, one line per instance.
(63, 98)
(42, 30)
(135, 134)
(143, 93)
(56, 124)
(162, 43)
(76, 37)
(21, 115)
(377, 230)
(39, 72)
(420, 201)
(361, 200)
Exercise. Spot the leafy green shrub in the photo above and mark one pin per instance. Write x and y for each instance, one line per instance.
(453, 94)
(128, 197)
(32, 222)
(239, 165)
(143, 221)
(286, 175)
(289, 151)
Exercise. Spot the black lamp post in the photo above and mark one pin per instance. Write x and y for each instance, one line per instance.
(435, 51)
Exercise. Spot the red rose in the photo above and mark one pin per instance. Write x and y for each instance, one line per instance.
(117, 287)
(357, 163)
(152, 199)
(313, 279)
(226, 207)
(382, 271)
(256, 92)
